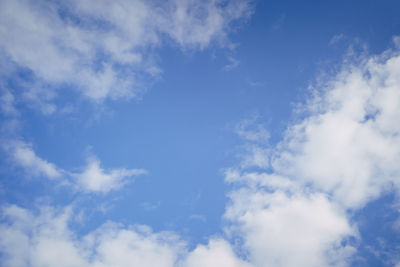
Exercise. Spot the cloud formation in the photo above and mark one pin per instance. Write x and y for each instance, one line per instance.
(93, 178)
(280, 228)
(102, 49)
(291, 204)
(96, 179)
(45, 239)
(23, 155)
(336, 159)
(349, 147)
(342, 154)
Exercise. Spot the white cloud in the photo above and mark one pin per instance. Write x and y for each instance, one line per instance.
(197, 24)
(273, 236)
(24, 156)
(260, 180)
(256, 156)
(96, 179)
(281, 229)
(103, 49)
(342, 154)
(7, 102)
(93, 178)
(255, 134)
(46, 239)
(350, 145)
(217, 253)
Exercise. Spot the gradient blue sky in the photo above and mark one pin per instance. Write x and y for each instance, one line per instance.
(257, 133)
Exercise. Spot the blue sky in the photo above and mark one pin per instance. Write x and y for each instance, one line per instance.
(199, 133)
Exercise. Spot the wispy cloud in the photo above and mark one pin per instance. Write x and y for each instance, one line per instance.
(251, 130)
(233, 63)
(148, 206)
(278, 24)
(7, 102)
(337, 38)
(198, 217)
(255, 83)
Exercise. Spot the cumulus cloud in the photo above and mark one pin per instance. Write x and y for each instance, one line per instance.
(281, 229)
(96, 179)
(296, 211)
(102, 49)
(93, 177)
(218, 252)
(46, 239)
(341, 154)
(349, 147)
(23, 155)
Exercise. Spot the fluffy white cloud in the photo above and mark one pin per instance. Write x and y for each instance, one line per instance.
(96, 179)
(23, 155)
(281, 229)
(350, 144)
(342, 154)
(46, 239)
(93, 177)
(217, 253)
(101, 48)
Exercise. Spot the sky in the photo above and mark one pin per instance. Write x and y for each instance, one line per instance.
(186, 133)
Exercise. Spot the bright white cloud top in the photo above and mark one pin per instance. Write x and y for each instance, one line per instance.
(290, 203)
